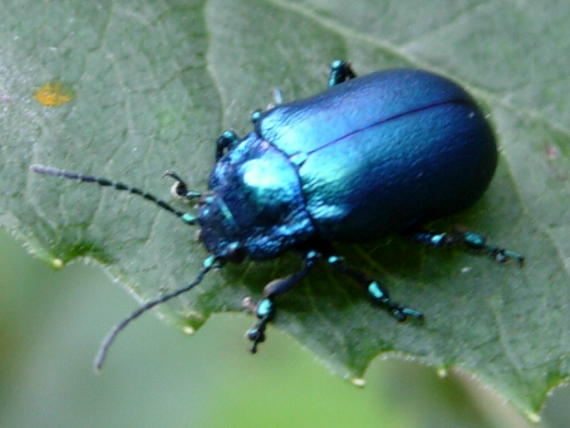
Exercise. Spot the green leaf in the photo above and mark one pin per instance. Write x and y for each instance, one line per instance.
(130, 89)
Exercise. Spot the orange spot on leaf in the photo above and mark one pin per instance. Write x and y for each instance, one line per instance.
(53, 94)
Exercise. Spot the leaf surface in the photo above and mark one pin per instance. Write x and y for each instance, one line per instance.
(128, 90)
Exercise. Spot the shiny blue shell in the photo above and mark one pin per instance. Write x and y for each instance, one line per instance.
(372, 156)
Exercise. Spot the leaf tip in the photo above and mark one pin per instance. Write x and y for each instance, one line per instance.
(57, 263)
(533, 417)
(358, 381)
(189, 330)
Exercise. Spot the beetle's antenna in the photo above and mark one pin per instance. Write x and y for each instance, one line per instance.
(48, 170)
(209, 264)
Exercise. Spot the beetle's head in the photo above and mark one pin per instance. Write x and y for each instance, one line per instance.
(257, 207)
(219, 231)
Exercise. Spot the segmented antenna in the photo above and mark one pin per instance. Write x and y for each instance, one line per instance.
(48, 170)
(110, 338)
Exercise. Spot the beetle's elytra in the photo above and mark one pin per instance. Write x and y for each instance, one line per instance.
(370, 156)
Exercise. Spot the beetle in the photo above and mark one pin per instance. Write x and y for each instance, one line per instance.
(370, 156)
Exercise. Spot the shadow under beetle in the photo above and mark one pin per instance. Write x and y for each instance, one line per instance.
(370, 156)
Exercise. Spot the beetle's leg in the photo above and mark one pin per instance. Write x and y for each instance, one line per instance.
(470, 240)
(180, 189)
(255, 116)
(227, 140)
(277, 100)
(277, 97)
(265, 308)
(339, 72)
(378, 293)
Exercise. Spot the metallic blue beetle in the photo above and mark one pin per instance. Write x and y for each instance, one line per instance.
(371, 156)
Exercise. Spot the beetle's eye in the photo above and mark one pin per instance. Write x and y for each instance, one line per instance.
(235, 252)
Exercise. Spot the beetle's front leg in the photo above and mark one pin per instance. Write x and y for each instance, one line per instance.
(226, 141)
(375, 290)
(265, 308)
(339, 72)
(180, 189)
(471, 240)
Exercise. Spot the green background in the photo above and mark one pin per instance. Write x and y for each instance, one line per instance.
(51, 323)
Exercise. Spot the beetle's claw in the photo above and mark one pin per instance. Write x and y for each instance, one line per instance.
(256, 335)
(172, 174)
(413, 313)
(501, 255)
(249, 304)
(264, 310)
(179, 188)
(401, 313)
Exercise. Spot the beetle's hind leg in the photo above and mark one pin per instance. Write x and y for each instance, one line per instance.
(377, 293)
(340, 71)
(471, 240)
(265, 308)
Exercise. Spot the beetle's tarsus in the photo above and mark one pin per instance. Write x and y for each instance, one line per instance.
(413, 313)
(225, 142)
(502, 255)
(265, 311)
(265, 308)
(255, 116)
(257, 336)
(470, 240)
(401, 313)
(179, 189)
(340, 71)
(375, 290)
